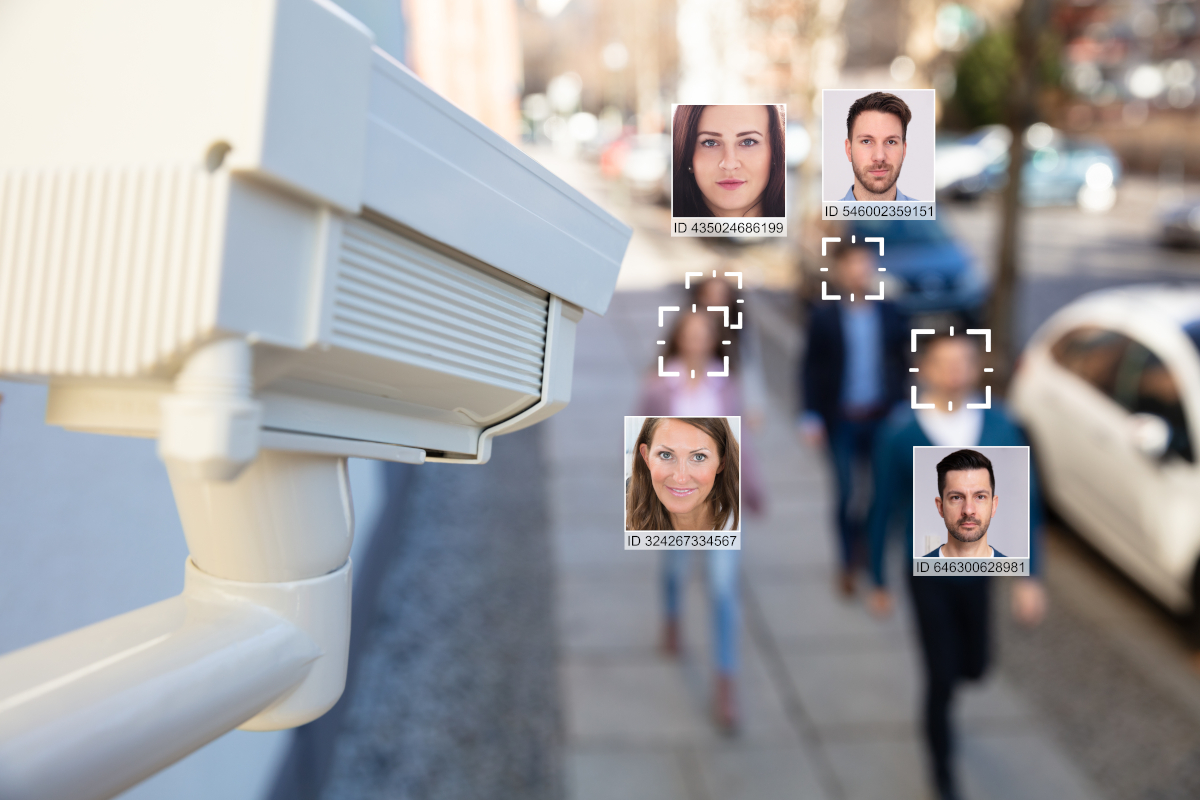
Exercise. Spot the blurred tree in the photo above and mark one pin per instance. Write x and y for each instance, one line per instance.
(984, 75)
(983, 79)
(1019, 113)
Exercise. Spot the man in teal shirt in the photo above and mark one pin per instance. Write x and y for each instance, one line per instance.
(951, 610)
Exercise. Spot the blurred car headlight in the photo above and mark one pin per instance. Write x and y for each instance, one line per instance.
(1099, 176)
(1096, 199)
(1039, 135)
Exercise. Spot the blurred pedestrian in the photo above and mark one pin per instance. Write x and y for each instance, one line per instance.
(745, 349)
(694, 350)
(746, 369)
(853, 371)
(952, 614)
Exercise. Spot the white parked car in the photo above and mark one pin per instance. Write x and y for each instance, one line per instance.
(1109, 390)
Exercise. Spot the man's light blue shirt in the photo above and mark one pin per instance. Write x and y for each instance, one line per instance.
(900, 197)
(862, 334)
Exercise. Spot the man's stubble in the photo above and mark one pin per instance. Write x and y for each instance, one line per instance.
(980, 531)
(864, 178)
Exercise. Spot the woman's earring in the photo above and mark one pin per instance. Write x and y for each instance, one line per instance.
(689, 169)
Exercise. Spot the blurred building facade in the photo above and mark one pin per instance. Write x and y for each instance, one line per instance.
(1133, 73)
(622, 52)
(631, 60)
(470, 53)
(1113, 66)
(467, 50)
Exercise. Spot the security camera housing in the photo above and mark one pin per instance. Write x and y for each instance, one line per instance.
(191, 171)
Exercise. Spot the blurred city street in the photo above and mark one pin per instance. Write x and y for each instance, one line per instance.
(1099, 702)
(830, 695)
(1068, 252)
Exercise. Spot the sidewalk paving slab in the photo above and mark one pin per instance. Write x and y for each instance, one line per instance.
(759, 772)
(626, 774)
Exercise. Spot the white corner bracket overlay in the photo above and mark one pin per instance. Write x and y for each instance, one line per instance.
(987, 347)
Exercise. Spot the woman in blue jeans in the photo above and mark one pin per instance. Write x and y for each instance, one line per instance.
(723, 599)
(693, 351)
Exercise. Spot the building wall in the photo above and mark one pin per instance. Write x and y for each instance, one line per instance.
(468, 51)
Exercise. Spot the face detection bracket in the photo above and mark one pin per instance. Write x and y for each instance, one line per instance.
(986, 333)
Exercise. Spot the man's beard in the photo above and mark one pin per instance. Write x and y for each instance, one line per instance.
(981, 530)
(869, 181)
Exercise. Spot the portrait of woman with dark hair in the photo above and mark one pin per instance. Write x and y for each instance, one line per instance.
(685, 476)
(728, 161)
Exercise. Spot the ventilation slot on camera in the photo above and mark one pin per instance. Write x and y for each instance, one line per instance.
(400, 300)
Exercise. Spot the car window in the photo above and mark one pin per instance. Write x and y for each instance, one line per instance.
(1130, 374)
(1145, 385)
(1092, 353)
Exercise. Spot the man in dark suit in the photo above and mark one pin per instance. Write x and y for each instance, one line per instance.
(853, 370)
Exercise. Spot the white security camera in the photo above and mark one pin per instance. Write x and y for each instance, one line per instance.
(238, 227)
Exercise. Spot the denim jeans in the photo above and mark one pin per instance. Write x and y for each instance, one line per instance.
(850, 447)
(723, 596)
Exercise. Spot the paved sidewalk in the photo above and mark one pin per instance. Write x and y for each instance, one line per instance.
(828, 694)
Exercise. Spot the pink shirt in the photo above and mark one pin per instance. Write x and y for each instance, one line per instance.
(672, 397)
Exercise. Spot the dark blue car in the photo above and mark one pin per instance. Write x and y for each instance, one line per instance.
(935, 271)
